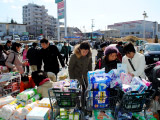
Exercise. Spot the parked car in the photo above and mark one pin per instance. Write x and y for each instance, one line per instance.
(59, 46)
(140, 44)
(24, 38)
(152, 52)
(39, 37)
(16, 38)
(8, 38)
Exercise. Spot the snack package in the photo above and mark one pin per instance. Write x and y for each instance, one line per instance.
(113, 74)
(126, 88)
(126, 78)
(100, 83)
(73, 84)
(115, 83)
(103, 115)
(122, 68)
(138, 84)
(45, 103)
(124, 116)
(90, 75)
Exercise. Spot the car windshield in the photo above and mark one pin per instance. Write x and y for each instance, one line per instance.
(152, 48)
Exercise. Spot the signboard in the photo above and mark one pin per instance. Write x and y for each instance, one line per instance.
(60, 5)
(60, 8)
(57, 1)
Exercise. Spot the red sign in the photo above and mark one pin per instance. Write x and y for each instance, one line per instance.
(60, 5)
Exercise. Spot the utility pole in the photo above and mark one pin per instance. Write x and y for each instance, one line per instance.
(92, 25)
(145, 16)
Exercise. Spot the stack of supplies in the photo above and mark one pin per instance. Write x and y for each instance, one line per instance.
(39, 113)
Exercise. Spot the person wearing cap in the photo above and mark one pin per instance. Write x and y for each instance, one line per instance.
(100, 53)
(109, 60)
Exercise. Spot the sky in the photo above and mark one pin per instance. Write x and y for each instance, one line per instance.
(80, 12)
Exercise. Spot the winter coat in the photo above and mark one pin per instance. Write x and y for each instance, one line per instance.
(43, 89)
(49, 57)
(17, 62)
(100, 54)
(2, 58)
(65, 50)
(138, 62)
(108, 65)
(79, 65)
(33, 56)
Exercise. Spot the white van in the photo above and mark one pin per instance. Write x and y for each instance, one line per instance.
(16, 38)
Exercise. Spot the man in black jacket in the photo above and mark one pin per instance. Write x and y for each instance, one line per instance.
(49, 54)
(33, 57)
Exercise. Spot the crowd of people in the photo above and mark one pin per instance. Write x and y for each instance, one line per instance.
(79, 64)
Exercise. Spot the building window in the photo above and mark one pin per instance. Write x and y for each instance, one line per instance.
(28, 10)
(132, 33)
(19, 26)
(137, 32)
(28, 14)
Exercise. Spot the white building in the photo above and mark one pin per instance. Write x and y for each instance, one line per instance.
(10, 29)
(136, 28)
(38, 21)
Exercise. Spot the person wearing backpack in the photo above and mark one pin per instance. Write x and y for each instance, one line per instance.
(135, 61)
(14, 61)
(110, 59)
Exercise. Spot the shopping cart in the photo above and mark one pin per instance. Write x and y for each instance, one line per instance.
(135, 102)
(69, 98)
(112, 99)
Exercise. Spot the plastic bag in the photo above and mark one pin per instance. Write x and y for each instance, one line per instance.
(63, 74)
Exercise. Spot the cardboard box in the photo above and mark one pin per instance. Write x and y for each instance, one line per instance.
(44, 103)
(39, 113)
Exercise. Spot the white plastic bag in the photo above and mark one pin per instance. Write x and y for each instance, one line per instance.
(63, 74)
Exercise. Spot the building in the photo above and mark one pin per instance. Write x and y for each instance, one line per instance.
(10, 29)
(71, 32)
(38, 21)
(111, 34)
(136, 28)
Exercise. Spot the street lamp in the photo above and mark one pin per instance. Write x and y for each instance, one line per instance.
(145, 16)
(92, 29)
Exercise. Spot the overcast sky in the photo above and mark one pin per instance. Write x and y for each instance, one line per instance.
(80, 12)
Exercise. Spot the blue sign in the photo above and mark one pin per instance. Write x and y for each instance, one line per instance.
(57, 1)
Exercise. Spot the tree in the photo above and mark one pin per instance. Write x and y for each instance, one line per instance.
(12, 21)
(156, 39)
